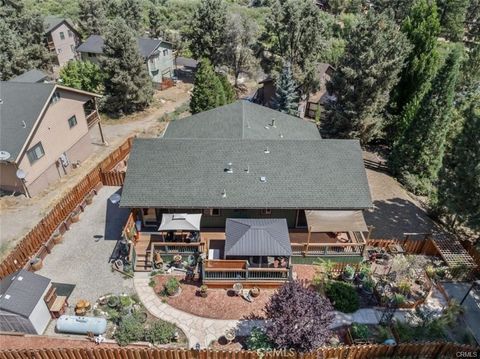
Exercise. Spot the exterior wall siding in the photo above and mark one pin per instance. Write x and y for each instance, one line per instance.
(40, 316)
(65, 49)
(8, 178)
(208, 221)
(57, 138)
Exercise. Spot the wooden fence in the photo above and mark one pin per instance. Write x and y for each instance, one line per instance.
(409, 245)
(38, 241)
(416, 350)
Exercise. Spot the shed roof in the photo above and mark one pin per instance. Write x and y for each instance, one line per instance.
(21, 291)
(31, 76)
(243, 119)
(179, 173)
(257, 237)
(94, 44)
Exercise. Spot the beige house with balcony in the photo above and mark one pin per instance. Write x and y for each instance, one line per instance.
(62, 39)
(44, 133)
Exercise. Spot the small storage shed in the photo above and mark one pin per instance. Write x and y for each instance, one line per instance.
(22, 305)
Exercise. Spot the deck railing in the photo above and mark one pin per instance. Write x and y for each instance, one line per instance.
(238, 270)
(92, 118)
(327, 249)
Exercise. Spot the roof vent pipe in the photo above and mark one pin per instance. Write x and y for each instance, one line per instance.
(273, 123)
(24, 125)
(247, 170)
(224, 193)
(267, 151)
(229, 168)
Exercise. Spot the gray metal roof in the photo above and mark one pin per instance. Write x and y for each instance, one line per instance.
(187, 62)
(31, 76)
(21, 291)
(257, 237)
(243, 119)
(94, 44)
(51, 22)
(21, 105)
(190, 173)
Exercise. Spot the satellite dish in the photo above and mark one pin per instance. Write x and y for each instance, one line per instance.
(21, 174)
(115, 198)
(4, 155)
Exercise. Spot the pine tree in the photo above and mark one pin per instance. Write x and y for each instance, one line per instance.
(207, 31)
(417, 156)
(207, 89)
(421, 27)
(92, 18)
(286, 97)
(397, 9)
(157, 21)
(128, 86)
(364, 79)
(228, 90)
(131, 11)
(459, 185)
(452, 18)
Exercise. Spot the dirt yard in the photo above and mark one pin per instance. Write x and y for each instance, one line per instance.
(219, 304)
(18, 214)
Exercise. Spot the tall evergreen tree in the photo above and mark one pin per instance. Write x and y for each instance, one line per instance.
(364, 79)
(417, 156)
(157, 19)
(207, 89)
(286, 97)
(208, 30)
(92, 18)
(472, 23)
(421, 27)
(296, 31)
(397, 9)
(22, 46)
(452, 18)
(128, 86)
(459, 183)
(228, 90)
(132, 12)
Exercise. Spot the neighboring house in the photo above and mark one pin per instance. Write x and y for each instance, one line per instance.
(255, 177)
(185, 67)
(157, 54)
(265, 95)
(26, 303)
(62, 39)
(44, 133)
(32, 76)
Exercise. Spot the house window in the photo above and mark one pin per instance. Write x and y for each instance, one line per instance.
(59, 51)
(55, 97)
(72, 121)
(62, 35)
(266, 211)
(165, 52)
(72, 48)
(70, 34)
(214, 212)
(35, 153)
(90, 54)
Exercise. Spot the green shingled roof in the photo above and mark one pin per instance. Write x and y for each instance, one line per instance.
(180, 173)
(243, 119)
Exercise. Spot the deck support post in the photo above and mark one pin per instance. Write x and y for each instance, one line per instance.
(308, 239)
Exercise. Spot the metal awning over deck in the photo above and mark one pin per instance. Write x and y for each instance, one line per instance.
(336, 221)
(257, 237)
(180, 222)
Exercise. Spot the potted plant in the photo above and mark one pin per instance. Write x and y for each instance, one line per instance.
(113, 301)
(75, 216)
(404, 287)
(399, 299)
(172, 287)
(177, 260)
(203, 291)
(89, 198)
(57, 237)
(348, 273)
(364, 272)
(255, 292)
(367, 286)
(36, 263)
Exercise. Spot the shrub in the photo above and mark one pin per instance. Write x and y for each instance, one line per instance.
(172, 285)
(299, 318)
(343, 296)
(258, 340)
(360, 331)
(129, 330)
(161, 332)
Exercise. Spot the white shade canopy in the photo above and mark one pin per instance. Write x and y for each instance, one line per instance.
(180, 222)
(336, 221)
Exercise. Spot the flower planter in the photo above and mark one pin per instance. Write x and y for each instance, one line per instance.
(36, 263)
(57, 237)
(89, 199)
(255, 292)
(75, 216)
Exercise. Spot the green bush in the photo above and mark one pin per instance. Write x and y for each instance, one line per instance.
(171, 286)
(160, 332)
(129, 330)
(343, 296)
(360, 331)
(258, 340)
